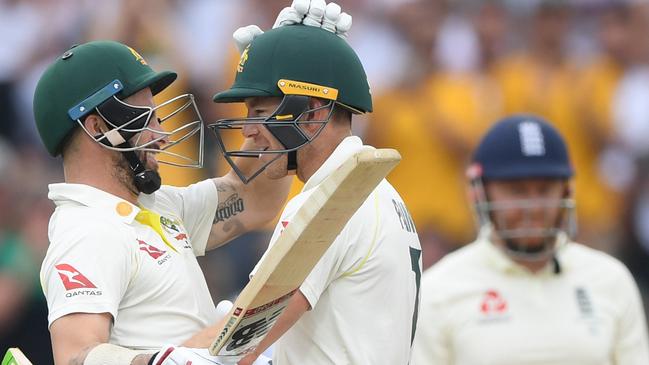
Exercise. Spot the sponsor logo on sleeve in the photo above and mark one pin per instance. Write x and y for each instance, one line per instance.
(75, 282)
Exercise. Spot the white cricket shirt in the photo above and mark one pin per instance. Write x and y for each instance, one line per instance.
(363, 291)
(102, 259)
(478, 308)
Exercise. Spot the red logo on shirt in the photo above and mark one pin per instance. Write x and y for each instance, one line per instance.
(181, 236)
(284, 224)
(72, 278)
(493, 303)
(152, 251)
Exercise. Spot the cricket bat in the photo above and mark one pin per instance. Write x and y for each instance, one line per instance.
(15, 357)
(299, 247)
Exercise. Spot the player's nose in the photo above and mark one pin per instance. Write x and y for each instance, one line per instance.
(249, 130)
(155, 125)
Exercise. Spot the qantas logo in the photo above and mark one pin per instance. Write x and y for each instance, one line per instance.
(152, 251)
(493, 303)
(72, 278)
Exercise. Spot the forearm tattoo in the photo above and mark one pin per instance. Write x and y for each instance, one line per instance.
(232, 206)
(228, 208)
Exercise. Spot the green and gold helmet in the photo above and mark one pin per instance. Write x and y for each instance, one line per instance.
(95, 78)
(301, 60)
(294, 62)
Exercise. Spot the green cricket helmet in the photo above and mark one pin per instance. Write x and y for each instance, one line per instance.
(296, 63)
(95, 78)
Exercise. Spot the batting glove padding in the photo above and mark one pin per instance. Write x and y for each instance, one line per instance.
(314, 13)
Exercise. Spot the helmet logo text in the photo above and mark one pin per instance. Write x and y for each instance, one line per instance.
(291, 87)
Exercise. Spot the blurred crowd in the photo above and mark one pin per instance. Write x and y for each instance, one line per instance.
(440, 71)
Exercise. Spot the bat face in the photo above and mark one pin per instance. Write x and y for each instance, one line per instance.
(313, 228)
(251, 326)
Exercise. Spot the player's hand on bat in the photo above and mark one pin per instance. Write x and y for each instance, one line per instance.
(315, 13)
(249, 359)
(175, 355)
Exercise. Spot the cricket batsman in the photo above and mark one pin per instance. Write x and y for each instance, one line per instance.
(524, 292)
(121, 278)
(301, 86)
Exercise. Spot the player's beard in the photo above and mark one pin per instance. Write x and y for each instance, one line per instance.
(544, 244)
(124, 174)
(540, 246)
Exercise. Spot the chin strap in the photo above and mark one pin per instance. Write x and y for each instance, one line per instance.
(292, 161)
(146, 181)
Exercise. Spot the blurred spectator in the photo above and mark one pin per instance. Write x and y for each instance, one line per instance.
(23, 243)
(542, 80)
(400, 121)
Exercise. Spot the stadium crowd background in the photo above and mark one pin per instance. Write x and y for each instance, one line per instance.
(440, 72)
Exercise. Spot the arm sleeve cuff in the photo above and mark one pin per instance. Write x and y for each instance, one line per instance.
(310, 294)
(80, 308)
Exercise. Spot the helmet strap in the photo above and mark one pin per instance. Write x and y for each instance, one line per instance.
(292, 161)
(146, 181)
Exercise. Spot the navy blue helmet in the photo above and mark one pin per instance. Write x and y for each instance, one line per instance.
(522, 146)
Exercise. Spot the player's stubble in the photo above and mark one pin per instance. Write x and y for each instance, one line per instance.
(122, 172)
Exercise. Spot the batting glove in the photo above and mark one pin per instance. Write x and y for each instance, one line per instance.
(174, 355)
(314, 13)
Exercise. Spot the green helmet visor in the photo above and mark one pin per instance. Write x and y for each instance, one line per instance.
(282, 133)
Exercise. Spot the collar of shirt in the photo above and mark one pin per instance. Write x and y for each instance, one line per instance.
(89, 196)
(347, 147)
(498, 259)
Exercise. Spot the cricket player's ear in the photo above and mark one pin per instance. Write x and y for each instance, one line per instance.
(95, 125)
(317, 115)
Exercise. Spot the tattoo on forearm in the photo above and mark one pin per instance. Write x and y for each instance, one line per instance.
(229, 208)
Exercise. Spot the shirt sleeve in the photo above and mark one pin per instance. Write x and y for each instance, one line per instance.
(196, 206)
(87, 270)
(631, 345)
